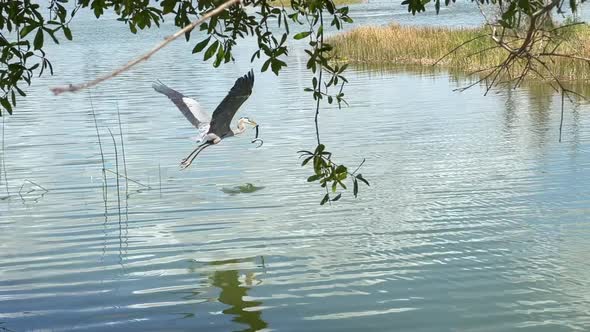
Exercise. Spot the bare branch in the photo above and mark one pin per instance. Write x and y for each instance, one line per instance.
(570, 56)
(77, 87)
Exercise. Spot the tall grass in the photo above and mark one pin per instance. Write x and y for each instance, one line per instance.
(396, 44)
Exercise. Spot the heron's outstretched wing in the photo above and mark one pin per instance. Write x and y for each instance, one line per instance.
(224, 113)
(189, 107)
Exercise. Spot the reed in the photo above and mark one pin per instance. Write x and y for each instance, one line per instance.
(412, 45)
(123, 152)
(4, 160)
(117, 178)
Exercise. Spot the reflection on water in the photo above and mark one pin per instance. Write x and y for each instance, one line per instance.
(233, 292)
(542, 99)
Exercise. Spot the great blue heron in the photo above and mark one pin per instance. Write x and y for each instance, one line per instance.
(213, 129)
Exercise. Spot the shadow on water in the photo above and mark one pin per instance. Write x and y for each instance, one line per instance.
(234, 285)
(241, 189)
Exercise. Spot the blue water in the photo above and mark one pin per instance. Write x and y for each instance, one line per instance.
(476, 218)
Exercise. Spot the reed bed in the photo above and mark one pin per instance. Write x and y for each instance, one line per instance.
(412, 45)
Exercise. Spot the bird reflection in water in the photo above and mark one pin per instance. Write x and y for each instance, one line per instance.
(233, 292)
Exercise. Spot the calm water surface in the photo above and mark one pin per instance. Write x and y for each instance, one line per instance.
(476, 218)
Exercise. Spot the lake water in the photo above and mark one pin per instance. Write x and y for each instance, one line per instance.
(476, 218)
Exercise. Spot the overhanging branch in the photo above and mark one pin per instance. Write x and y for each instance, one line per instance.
(77, 87)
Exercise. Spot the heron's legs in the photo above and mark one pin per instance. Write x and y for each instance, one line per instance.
(186, 162)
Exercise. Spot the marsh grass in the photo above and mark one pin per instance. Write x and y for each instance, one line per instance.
(410, 45)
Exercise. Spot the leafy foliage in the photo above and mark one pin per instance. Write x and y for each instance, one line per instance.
(22, 54)
(330, 175)
(24, 30)
(26, 26)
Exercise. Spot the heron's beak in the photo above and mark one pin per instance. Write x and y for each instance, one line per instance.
(252, 123)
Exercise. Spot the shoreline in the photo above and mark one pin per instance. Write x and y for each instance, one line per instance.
(395, 44)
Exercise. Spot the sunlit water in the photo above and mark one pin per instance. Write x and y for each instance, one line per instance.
(476, 218)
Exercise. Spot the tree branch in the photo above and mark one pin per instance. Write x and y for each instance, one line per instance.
(77, 87)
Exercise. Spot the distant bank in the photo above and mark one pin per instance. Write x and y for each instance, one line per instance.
(422, 45)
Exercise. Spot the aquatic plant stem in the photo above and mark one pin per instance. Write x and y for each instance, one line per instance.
(160, 177)
(104, 175)
(76, 87)
(129, 179)
(4, 158)
(123, 152)
(561, 118)
(117, 170)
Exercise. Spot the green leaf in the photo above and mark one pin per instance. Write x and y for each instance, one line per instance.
(325, 199)
(265, 65)
(28, 28)
(336, 198)
(360, 177)
(306, 161)
(301, 35)
(6, 104)
(211, 50)
(38, 41)
(313, 178)
(340, 169)
(355, 187)
(276, 65)
(319, 149)
(68, 33)
(201, 45)
(317, 165)
(21, 92)
(219, 57)
(51, 34)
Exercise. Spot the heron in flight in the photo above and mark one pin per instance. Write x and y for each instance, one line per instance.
(216, 128)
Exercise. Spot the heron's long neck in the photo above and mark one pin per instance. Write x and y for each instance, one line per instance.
(241, 128)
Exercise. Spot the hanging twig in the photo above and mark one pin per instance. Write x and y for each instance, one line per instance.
(76, 87)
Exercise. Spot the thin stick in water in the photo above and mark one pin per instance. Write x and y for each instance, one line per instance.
(123, 152)
(561, 119)
(160, 177)
(117, 170)
(104, 175)
(129, 179)
(4, 159)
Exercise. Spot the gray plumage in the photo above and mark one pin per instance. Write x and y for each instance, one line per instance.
(225, 112)
(213, 129)
(189, 107)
